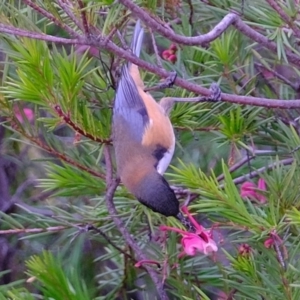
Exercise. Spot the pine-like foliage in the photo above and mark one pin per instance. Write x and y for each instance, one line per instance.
(60, 237)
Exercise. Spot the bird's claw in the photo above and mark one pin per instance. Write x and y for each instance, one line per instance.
(167, 83)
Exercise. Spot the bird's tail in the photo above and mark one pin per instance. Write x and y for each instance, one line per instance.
(137, 39)
(132, 70)
(127, 93)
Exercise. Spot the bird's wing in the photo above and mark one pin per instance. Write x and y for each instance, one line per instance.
(129, 105)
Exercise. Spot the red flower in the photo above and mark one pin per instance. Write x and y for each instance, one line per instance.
(170, 54)
(244, 250)
(172, 58)
(269, 243)
(173, 48)
(200, 241)
(166, 54)
(251, 190)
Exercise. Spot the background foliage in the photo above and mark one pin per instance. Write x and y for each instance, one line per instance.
(57, 238)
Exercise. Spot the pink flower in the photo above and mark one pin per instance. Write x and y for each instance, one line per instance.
(27, 112)
(173, 48)
(269, 243)
(251, 191)
(172, 58)
(244, 250)
(200, 241)
(166, 54)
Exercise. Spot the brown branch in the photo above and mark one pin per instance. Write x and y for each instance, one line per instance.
(109, 168)
(176, 38)
(236, 166)
(83, 17)
(130, 241)
(104, 235)
(65, 7)
(294, 86)
(285, 17)
(198, 90)
(59, 155)
(158, 59)
(230, 19)
(263, 41)
(50, 17)
(81, 131)
(33, 230)
(60, 228)
(39, 36)
(257, 172)
(211, 128)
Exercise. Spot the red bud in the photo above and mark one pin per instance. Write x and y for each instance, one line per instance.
(173, 48)
(166, 54)
(172, 58)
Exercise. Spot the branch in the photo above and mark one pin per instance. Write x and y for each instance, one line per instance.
(176, 38)
(38, 36)
(294, 86)
(236, 166)
(83, 17)
(33, 230)
(285, 17)
(59, 155)
(64, 6)
(230, 19)
(257, 172)
(67, 119)
(50, 17)
(263, 41)
(192, 87)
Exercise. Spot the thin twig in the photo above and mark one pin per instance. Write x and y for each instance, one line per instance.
(294, 86)
(197, 89)
(129, 240)
(285, 17)
(67, 119)
(50, 17)
(109, 169)
(84, 18)
(104, 235)
(257, 172)
(236, 166)
(65, 7)
(230, 19)
(33, 230)
(59, 155)
(158, 60)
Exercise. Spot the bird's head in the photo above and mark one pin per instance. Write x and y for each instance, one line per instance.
(154, 192)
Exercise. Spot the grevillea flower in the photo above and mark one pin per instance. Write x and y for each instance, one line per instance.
(28, 113)
(170, 54)
(172, 58)
(173, 48)
(244, 250)
(193, 242)
(251, 190)
(269, 243)
(166, 54)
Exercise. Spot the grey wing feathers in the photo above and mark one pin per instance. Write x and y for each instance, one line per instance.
(128, 103)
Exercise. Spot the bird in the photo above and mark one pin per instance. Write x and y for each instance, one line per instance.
(144, 139)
